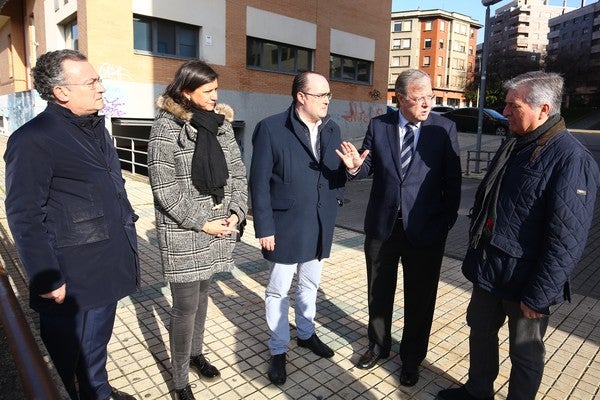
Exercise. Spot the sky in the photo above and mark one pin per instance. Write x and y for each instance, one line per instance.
(470, 8)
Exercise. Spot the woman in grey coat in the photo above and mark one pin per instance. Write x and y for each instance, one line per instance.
(200, 197)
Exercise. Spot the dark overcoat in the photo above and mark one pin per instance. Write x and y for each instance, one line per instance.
(295, 197)
(68, 211)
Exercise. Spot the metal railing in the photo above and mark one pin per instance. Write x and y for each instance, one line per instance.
(133, 154)
(478, 157)
(35, 377)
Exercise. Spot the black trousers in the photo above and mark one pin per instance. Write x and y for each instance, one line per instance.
(421, 272)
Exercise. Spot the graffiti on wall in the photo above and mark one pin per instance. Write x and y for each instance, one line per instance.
(114, 103)
(17, 108)
(355, 116)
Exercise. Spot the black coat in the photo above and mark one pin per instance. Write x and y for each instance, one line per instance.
(68, 211)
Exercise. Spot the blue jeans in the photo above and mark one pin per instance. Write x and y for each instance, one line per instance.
(186, 330)
(277, 302)
(486, 315)
(77, 345)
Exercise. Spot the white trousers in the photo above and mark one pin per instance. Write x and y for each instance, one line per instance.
(277, 302)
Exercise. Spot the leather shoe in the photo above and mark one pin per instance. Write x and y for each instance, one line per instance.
(185, 393)
(277, 374)
(204, 367)
(118, 395)
(370, 358)
(316, 346)
(409, 378)
(460, 393)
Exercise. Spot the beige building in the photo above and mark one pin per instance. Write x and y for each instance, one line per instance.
(256, 46)
(441, 43)
(522, 26)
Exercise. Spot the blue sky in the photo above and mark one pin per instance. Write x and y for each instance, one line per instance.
(471, 8)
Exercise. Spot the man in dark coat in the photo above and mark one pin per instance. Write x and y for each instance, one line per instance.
(414, 158)
(529, 227)
(72, 223)
(297, 183)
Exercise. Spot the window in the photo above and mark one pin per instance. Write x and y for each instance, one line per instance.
(441, 44)
(349, 69)
(438, 81)
(426, 61)
(428, 25)
(405, 61)
(402, 26)
(395, 61)
(440, 62)
(162, 37)
(71, 33)
(427, 43)
(443, 26)
(280, 57)
(396, 44)
(405, 43)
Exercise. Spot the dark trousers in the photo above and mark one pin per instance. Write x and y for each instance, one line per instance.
(186, 330)
(77, 345)
(486, 314)
(421, 271)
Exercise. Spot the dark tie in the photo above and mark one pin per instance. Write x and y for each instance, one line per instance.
(407, 148)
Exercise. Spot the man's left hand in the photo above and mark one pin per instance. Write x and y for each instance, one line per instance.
(529, 313)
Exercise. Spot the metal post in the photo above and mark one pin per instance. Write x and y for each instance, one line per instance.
(484, 60)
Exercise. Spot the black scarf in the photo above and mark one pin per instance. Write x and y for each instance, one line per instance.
(209, 168)
(484, 207)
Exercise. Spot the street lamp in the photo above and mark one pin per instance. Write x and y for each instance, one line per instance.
(485, 45)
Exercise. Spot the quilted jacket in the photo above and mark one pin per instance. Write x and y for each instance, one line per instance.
(544, 212)
(187, 253)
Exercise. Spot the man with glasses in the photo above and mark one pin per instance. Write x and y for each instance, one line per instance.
(297, 184)
(72, 223)
(414, 159)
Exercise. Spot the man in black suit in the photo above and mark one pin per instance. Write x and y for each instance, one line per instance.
(414, 159)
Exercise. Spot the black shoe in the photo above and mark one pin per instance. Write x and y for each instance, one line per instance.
(204, 367)
(277, 374)
(371, 356)
(460, 393)
(409, 378)
(316, 346)
(185, 393)
(118, 395)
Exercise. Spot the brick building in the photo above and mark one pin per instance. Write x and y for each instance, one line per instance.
(440, 43)
(256, 46)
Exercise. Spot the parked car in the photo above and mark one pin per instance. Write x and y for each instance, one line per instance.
(441, 109)
(466, 119)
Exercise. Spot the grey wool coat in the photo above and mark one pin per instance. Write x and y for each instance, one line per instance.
(189, 254)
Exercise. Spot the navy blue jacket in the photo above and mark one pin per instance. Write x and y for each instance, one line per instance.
(429, 194)
(294, 196)
(544, 210)
(68, 211)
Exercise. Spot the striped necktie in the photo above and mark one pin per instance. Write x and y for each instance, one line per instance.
(407, 148)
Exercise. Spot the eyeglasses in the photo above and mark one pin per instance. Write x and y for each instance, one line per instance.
(421, 100)
(91, 85)
(321, 96)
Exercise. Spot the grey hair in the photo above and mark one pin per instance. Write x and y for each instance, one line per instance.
(48, 71)
(406, 78)
(544, 88)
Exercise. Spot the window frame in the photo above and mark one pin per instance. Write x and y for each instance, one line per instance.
(155, 25)
(281, 48)
(342, 70)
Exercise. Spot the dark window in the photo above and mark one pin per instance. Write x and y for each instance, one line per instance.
(162, 37)
(273, 56)
(349, 69)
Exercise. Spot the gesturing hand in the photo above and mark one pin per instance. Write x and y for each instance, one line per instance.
(351, 158)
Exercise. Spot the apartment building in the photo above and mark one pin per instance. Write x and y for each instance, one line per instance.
(574, 41)
(256, 46)
(521, 28)
(440, 43)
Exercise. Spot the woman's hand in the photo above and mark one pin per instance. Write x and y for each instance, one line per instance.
(220, 227)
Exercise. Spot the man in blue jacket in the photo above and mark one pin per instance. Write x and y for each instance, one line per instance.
(414, 159)
(71, 222)
(528, 230)
(297, 184)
